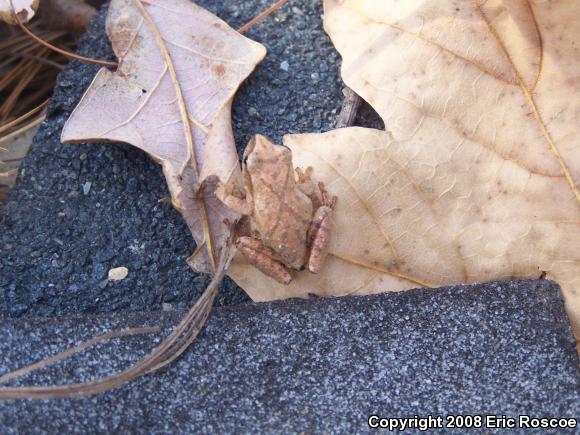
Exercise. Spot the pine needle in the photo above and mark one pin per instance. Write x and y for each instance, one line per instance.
(262, 15)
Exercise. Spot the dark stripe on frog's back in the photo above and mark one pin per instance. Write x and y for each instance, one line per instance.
(288, 200)
(278, 231)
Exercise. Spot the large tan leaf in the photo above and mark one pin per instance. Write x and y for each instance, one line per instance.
(477, 178)
(179, 67)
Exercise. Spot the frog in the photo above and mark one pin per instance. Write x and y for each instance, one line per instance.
(286, 219)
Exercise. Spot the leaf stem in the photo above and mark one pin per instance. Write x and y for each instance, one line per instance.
(166, 352)
(55, 48)
(71, 351)
(349, 109)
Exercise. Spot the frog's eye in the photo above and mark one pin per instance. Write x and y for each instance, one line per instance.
(286, 152)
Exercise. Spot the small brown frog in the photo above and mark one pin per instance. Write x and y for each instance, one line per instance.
(285, 224)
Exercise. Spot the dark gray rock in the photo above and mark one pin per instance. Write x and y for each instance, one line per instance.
(314, 366)
(58, 237)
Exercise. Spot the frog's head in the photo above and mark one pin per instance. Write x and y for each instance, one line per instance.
(262, 155)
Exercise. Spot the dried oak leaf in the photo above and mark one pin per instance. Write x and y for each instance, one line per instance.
(179, 68)
(25, 9)
(477, 178)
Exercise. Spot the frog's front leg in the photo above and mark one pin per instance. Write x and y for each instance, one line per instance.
(263, 258)
(227, 194)
(307, 186)
(304, 181)
(319, 232)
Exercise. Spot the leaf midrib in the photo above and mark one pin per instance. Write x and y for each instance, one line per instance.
(519, 80)
(191, 161)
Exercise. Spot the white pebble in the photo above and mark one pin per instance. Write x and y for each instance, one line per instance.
(118, 273)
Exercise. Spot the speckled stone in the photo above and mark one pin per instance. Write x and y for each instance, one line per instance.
(318, 366)
(80, 210)
(314, 366)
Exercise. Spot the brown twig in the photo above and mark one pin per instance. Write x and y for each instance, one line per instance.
(25, 79)
(166, 352)
(262, 15)
(349, 109)
(71, 351)
(19, 38)
(169, 349)
(25, 43)
(57, 49)
(22, 118)
(32, 98)
(30, 124)
(16, 71)
(43, 60)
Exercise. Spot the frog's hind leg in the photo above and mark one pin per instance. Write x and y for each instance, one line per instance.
(263, 258)
(320, 230)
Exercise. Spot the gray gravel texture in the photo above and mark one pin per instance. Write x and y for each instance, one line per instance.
(319, 366)
(310, 366)
(79, 210)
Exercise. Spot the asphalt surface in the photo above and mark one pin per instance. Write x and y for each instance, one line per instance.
(310, 366)
(319, 366)
(80, 210)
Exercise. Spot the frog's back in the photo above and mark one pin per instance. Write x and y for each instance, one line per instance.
(282, 213)
(282, 220)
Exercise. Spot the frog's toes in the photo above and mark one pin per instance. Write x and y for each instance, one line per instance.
(304, 176)
(327, 199)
